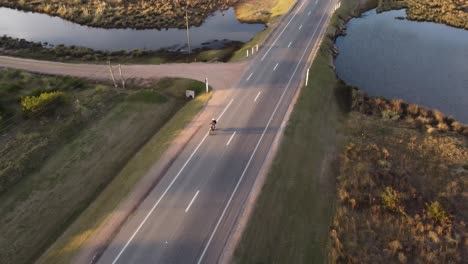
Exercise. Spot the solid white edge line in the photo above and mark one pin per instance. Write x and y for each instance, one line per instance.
(225, 109)
(274, 42)
(191, 202)
(230, 139)
(258, 95)
(258, 144)
(250, 76)
(165, 191)
(276, 66)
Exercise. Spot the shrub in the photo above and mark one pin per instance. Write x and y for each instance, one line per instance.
(39, 104)
(435, 211)
(391, 200)
(413, 109)
(439, 116)
(442, 127)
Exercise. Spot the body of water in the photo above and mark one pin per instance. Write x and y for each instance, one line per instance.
(219, 27)
(420, 62)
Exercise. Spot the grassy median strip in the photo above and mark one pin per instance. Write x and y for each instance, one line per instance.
(291, 219)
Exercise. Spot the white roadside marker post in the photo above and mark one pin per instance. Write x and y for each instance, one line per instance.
(307, 77)
(247, 53)
(257, 47)
(207, 85)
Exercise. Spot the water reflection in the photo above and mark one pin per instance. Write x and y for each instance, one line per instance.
(420, 62)
(54, 30)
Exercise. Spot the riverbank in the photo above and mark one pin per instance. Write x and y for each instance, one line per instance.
(42, 51)
(450, 12)
(64, 140)
(314, 206)
(217, 50)
(154, 14)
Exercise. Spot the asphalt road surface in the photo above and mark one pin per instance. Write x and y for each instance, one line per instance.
(189, 215)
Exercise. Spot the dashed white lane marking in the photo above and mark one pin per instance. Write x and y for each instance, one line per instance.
(316, 1)
(258, 95)
(250, 76)
(191, 202)
(290, 43)
(309, 13)
(258, 144)
(167, 189)
(276, 66)
(274, 42)
(300, 27)
(230, 139)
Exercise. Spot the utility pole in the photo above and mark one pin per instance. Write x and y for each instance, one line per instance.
(121, 76)
(188, 34)
(112, 74)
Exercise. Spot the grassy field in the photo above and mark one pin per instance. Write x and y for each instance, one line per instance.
(252, 11)
(401, 196)
(125, 13)
(295, 208)
(55, 163)
(450, 12)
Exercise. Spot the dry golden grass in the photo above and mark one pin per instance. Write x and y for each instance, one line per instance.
(401, 196)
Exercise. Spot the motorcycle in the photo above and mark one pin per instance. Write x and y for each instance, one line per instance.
(212, 128)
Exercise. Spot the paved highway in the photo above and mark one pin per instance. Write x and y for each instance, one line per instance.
(189, 215)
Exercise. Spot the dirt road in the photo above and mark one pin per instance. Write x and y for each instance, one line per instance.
(220, 75)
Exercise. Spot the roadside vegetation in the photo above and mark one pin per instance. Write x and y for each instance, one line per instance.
(451, 12)
(360, 179)
(268, 12)
(42, 51)
(401, 196)
(291, 217)
(63, 140)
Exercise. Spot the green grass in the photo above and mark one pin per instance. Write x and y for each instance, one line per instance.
(247, 11)
(54, 165)
(292, 215)
(65, 248)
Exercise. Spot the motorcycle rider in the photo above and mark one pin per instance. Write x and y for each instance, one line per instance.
(213, 123)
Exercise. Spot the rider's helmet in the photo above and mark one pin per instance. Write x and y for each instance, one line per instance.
(213, 119)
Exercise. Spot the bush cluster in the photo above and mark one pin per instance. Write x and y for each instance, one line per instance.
(32, 105)
(400, 195)
(450, 12)
(417, 116)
